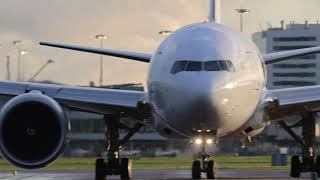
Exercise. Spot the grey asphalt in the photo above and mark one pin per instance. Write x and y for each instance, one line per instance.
(147, 175)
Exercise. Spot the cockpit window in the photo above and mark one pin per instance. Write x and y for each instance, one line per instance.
(211, 66)
(179, 66)
(218, 65)
(230, 66)
(223, 65)
(194, 66)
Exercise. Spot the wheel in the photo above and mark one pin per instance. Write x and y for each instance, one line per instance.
(126, 169)
(295, 167)
(100, 168)
(211, 170)
(196, 170)
(318, 165)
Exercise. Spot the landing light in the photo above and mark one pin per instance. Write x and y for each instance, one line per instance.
(198, 141)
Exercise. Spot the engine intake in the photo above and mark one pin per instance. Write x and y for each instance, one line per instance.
(33, 130)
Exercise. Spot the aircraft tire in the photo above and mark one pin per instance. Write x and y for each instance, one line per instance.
(126, 169)
(100, 168)
(211, 170)
(295, 167)
(318, 165)
(196, 170)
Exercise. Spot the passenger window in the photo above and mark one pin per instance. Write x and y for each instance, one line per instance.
(211, 66)
(179, 66)
(194, 66)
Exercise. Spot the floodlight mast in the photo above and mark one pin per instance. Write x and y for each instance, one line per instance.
(215, 9)
(241, 12)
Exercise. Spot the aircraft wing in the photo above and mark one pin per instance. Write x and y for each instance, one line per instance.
(292, 101)
(284, 55)
(137, 56)
(87, 99)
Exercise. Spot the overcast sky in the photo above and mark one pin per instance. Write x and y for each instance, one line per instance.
(130, 24)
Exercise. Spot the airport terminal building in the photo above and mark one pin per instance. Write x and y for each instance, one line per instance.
(302, 71)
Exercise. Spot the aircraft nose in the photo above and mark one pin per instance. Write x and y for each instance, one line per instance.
(205, 109)
(197, 104)
(202, 110)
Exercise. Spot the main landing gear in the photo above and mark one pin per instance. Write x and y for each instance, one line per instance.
(308, 161)
(204, 163)
(113, 164)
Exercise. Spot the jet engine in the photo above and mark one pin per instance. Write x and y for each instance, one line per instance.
(33, 130)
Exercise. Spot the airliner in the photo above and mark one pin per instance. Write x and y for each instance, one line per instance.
(205, 81)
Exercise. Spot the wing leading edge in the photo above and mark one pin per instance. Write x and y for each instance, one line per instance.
(281, 56)
(137, 56)
(293, 101)
(87, 99)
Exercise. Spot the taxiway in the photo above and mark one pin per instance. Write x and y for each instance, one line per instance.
(147, 175)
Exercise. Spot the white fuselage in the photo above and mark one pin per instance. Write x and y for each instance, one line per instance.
(198, 96)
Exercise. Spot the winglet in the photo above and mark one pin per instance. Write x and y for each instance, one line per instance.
(137, 56)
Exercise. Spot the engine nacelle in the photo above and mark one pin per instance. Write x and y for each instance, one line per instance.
(33, 130)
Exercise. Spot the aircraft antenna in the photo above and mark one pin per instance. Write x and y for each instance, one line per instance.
(214, 14)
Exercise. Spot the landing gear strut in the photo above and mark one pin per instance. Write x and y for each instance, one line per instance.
(204, 163)
(113, 164)
(308, 161)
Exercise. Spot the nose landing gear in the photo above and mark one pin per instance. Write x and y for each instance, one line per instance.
(204, 162)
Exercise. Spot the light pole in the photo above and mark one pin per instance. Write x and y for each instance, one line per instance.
(101, 37)
(7, 64)
(8, 68)
(50, 61)
(241, 12)
(20, 54)
(17, 43)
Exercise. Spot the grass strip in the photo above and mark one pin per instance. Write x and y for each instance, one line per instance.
(181, 162)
